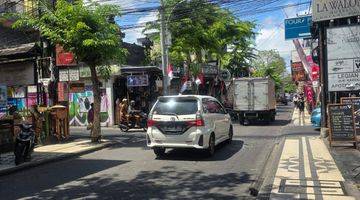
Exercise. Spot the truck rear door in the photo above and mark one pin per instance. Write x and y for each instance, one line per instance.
(260, 93)
(241, 95)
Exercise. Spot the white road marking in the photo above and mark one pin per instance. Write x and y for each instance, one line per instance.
(322, 176)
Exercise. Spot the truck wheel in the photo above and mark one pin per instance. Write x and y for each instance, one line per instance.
(273, 117)
(241, 120)
(246, 122)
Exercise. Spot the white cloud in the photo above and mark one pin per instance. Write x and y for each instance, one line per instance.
(274, 38)
(131, 35)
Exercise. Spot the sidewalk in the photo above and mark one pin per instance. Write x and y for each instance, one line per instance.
(348, 161)
(50, 153)
(306, 170)
(296, 118)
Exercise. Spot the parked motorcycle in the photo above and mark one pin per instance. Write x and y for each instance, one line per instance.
(24, 144)
(124, 126)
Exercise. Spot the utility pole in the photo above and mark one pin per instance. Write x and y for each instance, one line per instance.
(164, 55)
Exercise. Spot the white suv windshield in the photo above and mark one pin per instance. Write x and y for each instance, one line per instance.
(178, 106)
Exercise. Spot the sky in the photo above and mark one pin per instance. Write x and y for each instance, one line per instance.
(269, 29)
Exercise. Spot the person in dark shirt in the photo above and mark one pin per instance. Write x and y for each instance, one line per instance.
(301, 107)
(90, 118)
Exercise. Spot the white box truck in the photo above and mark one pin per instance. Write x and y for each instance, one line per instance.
(254, 99)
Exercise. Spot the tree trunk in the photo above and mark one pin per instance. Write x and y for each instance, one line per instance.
(96, 129)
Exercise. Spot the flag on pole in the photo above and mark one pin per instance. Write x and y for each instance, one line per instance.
(199, 79)
(184, 84)
(170, 72)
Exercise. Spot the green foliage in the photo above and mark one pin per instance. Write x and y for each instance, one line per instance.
(83, 30)
(197, 27)
(269, 63)
(239, 59)
(289, 85)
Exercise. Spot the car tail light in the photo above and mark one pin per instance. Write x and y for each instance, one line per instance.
(151, 123)
(197, 122)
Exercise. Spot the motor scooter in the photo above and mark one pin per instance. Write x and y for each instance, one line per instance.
(125, 126)
(24, 144)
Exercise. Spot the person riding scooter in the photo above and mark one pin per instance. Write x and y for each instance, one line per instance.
(133, 114)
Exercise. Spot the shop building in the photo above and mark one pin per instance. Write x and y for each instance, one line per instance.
(138, 83)
(19, 55)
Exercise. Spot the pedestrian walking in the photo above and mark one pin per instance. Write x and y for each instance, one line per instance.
(90, 119)
(301, 107)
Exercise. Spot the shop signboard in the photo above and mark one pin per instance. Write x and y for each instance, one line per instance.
(341, 122)
(210, 70)
(69, 74)
(343, 58)
(332, 9)
(64, 58)
(298, 27)
(3, 98)
(85, 72)
(356, 102)
(32, 89)
(137, 80)
(77, 87)
(297, 71)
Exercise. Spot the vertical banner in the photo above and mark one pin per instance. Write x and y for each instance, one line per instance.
(62, 92)
(31, 95)
(3, 98)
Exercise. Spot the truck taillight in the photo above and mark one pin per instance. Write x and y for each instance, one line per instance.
(151, 123)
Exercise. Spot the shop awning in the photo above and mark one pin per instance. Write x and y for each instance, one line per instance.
(125, 69)
(19, 49)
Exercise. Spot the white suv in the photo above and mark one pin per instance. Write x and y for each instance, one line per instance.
(188, 121)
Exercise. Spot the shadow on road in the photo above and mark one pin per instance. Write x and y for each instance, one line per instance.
(278, 122)
(165, 183)
(45, 178)
(223, 151)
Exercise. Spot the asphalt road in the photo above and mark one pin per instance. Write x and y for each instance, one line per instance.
(129, 170)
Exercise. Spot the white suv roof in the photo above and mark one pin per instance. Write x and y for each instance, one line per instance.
(187, 96)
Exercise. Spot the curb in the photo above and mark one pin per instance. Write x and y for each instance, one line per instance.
(256, 186)
(30, 164)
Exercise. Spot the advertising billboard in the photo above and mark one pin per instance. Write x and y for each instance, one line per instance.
(137, 80)
(333, 9)
(298, 27)
(298, 72)
(343, 58)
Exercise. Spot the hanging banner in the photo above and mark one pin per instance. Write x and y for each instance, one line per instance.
(343, 58)
(62, 92)
(333, 9)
